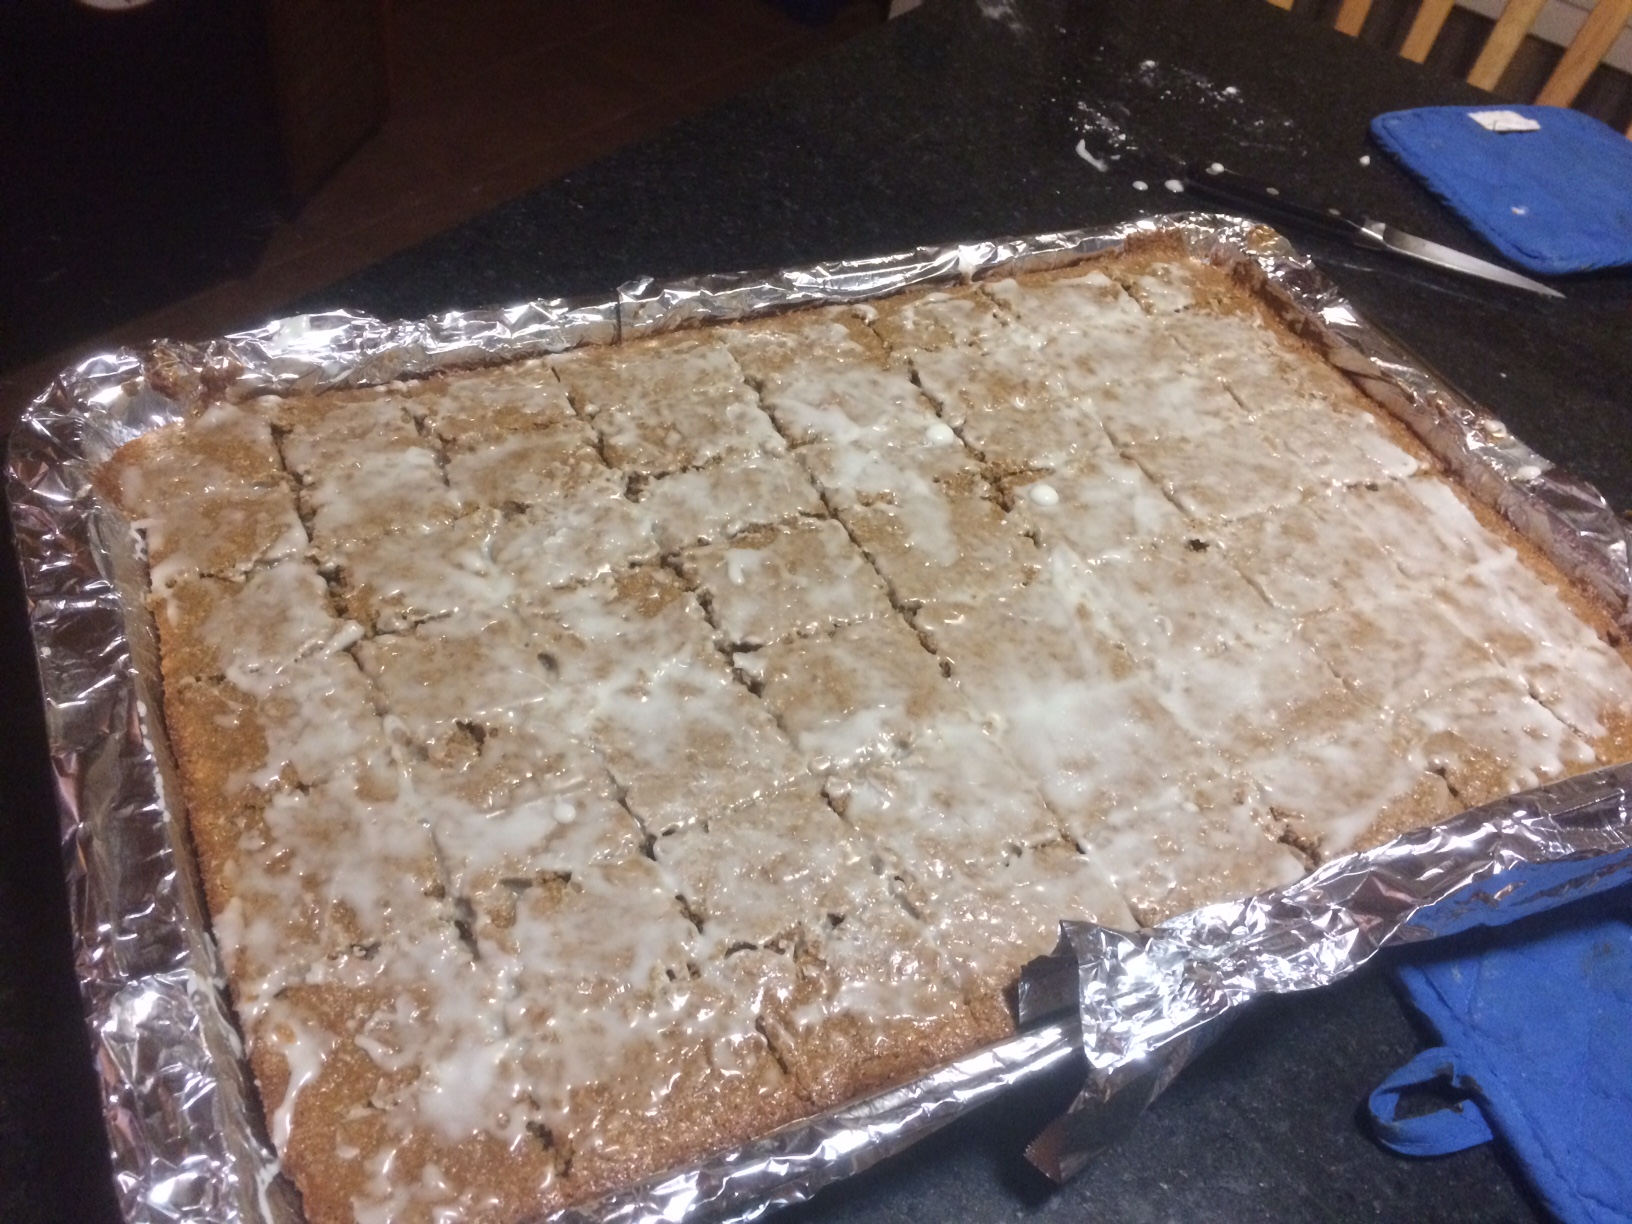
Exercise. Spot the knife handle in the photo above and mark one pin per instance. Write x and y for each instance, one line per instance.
(1222, 184)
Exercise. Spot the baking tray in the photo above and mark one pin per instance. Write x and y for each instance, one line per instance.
(185, 1130)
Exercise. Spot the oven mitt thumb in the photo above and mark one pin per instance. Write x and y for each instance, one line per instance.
(1536, 1021)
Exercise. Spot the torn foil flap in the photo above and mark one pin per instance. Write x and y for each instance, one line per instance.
(186, 1133)
(1149, 1002)
(1134, 1010)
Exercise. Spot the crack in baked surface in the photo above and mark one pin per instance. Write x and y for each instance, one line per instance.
(599, 760)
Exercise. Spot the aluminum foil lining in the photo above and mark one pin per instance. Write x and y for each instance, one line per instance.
(1149, 1002)
(185, 1128)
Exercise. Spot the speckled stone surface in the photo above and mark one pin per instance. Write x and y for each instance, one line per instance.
(1263, 1128)
(953, 124)
(947, 125)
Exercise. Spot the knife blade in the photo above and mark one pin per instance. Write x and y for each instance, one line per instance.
(1222, 184)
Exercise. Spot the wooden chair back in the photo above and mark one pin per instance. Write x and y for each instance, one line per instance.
(1591, 43)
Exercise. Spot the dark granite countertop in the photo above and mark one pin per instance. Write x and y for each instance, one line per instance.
(960, 121)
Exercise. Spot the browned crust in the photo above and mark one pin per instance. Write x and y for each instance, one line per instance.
(846, 1057)
(847, 317)
(338, 1139)
(216, 740)
(162, 455)
(702, 1112)
(1240, 286)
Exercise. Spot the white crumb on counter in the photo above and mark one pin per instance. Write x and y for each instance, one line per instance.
(1096, 163)
(1174, 185)
(1140, 185)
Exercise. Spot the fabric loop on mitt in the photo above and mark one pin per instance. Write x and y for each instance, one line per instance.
(1456, 1124)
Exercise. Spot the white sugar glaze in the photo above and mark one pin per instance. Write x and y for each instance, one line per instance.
(524, 825)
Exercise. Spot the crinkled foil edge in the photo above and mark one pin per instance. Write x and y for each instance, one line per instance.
(1148, 1002)
(184, 1124)
(187, 1139)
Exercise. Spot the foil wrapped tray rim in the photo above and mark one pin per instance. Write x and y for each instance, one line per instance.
(182, 1118)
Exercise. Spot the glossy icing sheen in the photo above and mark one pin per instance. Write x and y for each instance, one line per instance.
(639, 748)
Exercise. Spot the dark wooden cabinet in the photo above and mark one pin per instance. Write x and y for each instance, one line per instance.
(149, 148)
(328, 81)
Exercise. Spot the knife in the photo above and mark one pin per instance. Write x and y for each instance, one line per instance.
(1224, 184)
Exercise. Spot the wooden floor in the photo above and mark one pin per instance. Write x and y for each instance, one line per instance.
(490, 99)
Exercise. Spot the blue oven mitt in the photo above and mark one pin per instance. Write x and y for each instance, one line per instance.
(1556, 199)
(1536, 1021)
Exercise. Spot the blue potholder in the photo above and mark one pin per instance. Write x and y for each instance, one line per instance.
(1558, 199)
(1537, 1033)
